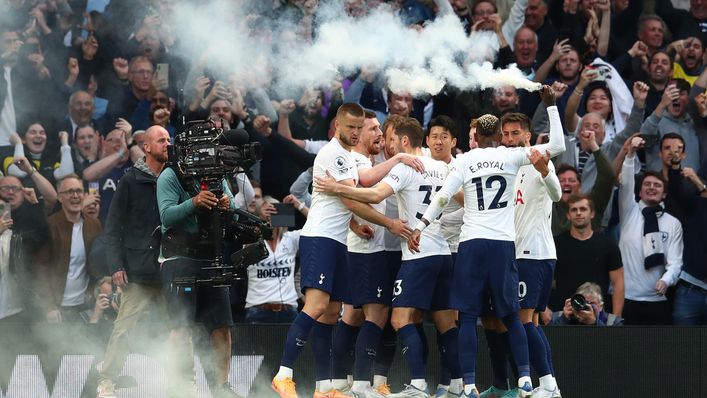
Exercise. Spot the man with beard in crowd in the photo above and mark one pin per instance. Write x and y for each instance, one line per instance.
(132, 218)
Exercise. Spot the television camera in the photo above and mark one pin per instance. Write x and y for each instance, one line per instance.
(203, 157)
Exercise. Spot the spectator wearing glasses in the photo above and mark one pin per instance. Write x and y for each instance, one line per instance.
(132, 101)
(61, 266)
(28, 219)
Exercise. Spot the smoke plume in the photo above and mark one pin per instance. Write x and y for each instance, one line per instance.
(226, 37)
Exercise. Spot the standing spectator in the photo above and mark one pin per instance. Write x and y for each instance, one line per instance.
(684, 23)
(687, 201)
(80, 113)
(585, 255)
(688, 59)
(660, 70)
(132, 218)
(272, 297)
(565, 61)
(62, 269)
(536, 19)
(461, 9)
(26, 91)
(86, 147)
(28, 219)
(12, 301)
(671, 116)
(624, 20)
(40, 160)
(651, 32)
(505, 99)
(306, 121)
(131, 101)
(117, 154)
(593, 131)
(651, 245)
(9, 46)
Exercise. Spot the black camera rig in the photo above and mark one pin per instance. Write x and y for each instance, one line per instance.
(203, 157)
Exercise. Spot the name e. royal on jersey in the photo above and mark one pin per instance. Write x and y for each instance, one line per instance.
(486, 165)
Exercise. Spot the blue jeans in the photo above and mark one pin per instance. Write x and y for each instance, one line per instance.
(261, 315)
(690, 306)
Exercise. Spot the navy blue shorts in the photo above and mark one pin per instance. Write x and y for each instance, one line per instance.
(424, 283)
(369, 280)
(323, 266)
(394, 259)
(535, 283)
(485, 268)
(210, 306)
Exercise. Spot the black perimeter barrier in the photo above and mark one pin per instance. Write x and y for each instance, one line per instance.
(60, 361)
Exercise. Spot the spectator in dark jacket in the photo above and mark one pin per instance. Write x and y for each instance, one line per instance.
(132, 218)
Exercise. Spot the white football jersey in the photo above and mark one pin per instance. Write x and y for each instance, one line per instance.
(488, 176)
(392, 242)
(415, 191)
(533, 213)
(452, 220)
(328, 216)
(355, 243)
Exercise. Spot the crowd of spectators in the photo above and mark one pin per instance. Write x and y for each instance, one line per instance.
(83, 80)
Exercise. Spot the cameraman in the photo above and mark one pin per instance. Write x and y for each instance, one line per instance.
(586, 307)
(134, 268)
(208, 305)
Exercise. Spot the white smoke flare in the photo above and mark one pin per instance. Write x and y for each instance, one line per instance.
(411, 60)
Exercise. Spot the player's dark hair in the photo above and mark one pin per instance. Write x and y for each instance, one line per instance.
(516, 117)
(487, 125)
(369, 114)
(444, 122)
(412, 129)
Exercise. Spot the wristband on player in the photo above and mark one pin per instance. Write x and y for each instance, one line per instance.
(421, 225)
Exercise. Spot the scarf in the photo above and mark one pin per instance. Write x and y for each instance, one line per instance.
(653, 239)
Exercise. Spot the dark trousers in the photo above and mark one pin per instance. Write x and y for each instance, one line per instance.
(647, 313)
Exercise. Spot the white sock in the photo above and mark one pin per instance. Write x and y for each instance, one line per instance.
(419, 383)
(339, 384)
(283, 373)
(349, 379)
(523, 380)
(468, 388)
(379, 380)
(456, 386)
(323, 385)
(359, 385)
(548, 382)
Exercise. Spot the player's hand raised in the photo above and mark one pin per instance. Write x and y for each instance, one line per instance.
(412, 161)
(325, 184)
(547, 95)
(539, 161)
(400, 228)
(414, 241)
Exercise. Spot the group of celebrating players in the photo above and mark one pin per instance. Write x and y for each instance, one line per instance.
(458, 237)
